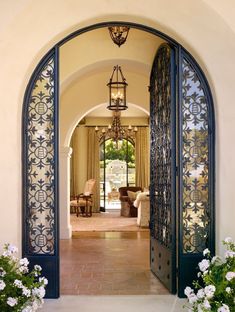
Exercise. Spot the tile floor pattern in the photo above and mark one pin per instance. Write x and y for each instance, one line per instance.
(110, 221)
(108, 263)
(157, 303)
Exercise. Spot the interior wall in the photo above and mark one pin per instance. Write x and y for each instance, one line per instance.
(75, 102)
(28, 31)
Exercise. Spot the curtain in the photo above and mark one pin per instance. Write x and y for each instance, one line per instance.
(142, 157)
(93, 165)
(74, 170)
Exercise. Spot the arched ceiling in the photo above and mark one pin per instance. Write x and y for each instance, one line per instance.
(86, 64)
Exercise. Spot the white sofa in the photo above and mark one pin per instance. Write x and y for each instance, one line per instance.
(142, 204)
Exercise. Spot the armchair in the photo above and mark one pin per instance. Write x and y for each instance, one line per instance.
(127, 207)
(84, 200)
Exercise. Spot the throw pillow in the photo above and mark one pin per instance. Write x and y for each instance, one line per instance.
(133, 195)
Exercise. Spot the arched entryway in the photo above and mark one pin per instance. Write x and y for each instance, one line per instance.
(185, 220)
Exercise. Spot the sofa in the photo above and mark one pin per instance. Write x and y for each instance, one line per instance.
(127, 207)
(142, 204)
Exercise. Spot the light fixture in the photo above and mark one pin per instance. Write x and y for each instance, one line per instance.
(117, 90)
(119, 34)
(116, 131)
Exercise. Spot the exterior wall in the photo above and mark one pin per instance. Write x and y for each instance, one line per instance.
(29, 29)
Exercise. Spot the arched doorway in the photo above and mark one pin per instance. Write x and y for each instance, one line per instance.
(117, 169)
(186, 222)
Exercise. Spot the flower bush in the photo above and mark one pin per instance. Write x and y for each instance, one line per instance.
(215, 289)
(20, 290)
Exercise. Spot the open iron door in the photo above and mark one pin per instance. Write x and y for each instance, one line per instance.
(163, 167)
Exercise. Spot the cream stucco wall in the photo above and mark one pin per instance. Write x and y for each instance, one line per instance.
(28, 29)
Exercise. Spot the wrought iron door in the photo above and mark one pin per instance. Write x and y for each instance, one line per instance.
(40, 172)
(162, 161)
(196, 174)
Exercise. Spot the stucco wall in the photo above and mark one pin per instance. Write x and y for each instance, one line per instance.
(29, 28)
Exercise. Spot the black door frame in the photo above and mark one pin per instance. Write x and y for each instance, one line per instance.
(54, 293)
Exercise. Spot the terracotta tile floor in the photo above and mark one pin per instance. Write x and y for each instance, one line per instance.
(108, 263)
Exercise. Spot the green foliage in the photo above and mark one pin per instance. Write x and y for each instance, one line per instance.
(20, 290)
(215, 289)
(121, 153)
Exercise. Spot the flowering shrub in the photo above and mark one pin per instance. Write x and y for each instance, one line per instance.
(218, 279)
(20, 290)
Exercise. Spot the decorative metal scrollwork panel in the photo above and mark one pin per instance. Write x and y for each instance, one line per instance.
(40, 149)
(195, 162)
(161, 175)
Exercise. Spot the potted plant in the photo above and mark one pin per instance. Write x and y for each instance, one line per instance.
(215, 288)
(20, 290)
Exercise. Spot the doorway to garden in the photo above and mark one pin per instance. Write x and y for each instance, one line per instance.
(182, 161)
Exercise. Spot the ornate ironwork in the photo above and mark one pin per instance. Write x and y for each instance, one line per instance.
(116, 131)
(117, 90)
(161, 174)
(40, 154)
(119, 34)
(195, 162)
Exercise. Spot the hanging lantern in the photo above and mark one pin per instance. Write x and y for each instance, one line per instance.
(117, 90)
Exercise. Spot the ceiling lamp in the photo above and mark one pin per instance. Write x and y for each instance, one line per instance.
(116, 131)
(117, 90)
(119, 34)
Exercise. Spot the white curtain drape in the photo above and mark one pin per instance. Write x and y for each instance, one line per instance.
(142, 157)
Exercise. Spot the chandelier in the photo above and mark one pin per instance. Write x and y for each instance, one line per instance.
(117, 90)
(117, 103)
(119, 34)
(116, 131)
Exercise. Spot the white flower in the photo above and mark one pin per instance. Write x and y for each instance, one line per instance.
(205, 273)
(229, 254)
(27, 309)
(26, 292)
(199, 308)
(24, 262)
(230, 275)
(12, 301)
(18, 283)
(223, 308)
(200, 293)
(43, 280)
(214, 259)
(199, 274)
(12, 248)
(206, 304)
(2, 285)
(228, 240)
(37, 267)
(188, 291)
(9, 250)
(192, 298)
(2, 272)
(206, 252)
(209, 291)
(228, 290)
(39, 292)
(204, 265)
(23, 269)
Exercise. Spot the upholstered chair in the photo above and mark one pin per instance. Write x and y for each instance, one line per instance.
(83, 202)
(127, 197)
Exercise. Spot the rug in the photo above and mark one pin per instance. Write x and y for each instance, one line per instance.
(105, 222)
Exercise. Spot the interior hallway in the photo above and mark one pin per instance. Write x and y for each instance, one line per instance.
(108, 263)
